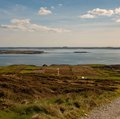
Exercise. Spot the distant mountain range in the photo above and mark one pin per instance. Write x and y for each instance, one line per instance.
(65, 47)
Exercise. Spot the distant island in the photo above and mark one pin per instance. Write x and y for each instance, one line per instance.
(81, 52)
(64, 47)
(20, 52)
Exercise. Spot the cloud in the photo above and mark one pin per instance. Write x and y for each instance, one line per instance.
(101, 12)
(87, 16)
(20, 22)
(118, 20)
(44, 11)
(60, 5)
(26, 25)
(117, 11)
(52, 7)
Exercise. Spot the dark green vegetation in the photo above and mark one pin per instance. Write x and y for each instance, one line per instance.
(20, 52)
(29, 90)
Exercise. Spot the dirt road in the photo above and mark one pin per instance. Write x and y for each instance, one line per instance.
(108, 111)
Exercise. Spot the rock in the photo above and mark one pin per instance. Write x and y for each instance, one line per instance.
(83, 77)
(44, 65)
(86, 114)
(36, 116)
(25, 102)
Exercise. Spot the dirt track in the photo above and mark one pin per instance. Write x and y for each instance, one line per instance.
(109, 111)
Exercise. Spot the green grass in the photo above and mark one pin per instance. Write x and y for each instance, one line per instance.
(61, 107)
(67, 96)
(12, 115)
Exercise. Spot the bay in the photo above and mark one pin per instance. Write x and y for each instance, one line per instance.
(63, 56)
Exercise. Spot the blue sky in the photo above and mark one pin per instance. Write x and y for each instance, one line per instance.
(60, 23)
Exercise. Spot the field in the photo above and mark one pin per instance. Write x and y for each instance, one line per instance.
(56, 91)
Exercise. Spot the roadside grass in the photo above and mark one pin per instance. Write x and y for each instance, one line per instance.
(12, 115)
(61, 107)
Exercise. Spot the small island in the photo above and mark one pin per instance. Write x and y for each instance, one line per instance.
(81, 52)
(20, 52)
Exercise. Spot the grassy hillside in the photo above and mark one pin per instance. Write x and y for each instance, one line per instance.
(27, 90)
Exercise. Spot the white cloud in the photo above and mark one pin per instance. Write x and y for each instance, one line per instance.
(87, 16)
(20, 22)
(60, 5)
(101, 12)
(26, 25)
(118, 20)
(117, 11)
(44, 11)
(52, 7)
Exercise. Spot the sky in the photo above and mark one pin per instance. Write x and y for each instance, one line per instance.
(58, 23)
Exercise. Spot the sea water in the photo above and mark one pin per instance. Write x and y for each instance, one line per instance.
(63, 56)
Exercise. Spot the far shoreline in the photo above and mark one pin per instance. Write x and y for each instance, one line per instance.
(20, 52)
(64, 47)
(62, 65)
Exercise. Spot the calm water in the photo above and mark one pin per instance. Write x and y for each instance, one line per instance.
(64, 56)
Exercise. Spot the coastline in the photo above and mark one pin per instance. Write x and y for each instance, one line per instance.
(20, 52)
(60, 47)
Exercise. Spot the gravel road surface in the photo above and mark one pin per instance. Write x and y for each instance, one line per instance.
(108, 111)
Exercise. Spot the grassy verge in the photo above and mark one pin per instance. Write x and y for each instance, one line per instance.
(29, 90)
